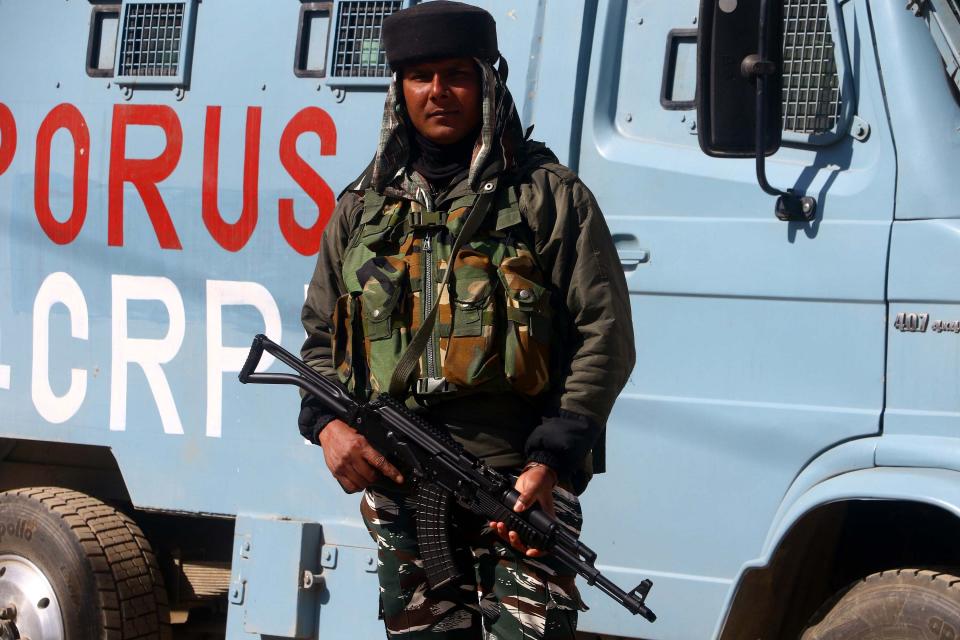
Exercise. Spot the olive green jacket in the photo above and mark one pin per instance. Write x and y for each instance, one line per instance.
(593, 356)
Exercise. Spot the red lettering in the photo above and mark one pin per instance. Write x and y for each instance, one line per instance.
(63, 116)
(306, 240)
(143, 173)
(231, 236)
(8, 137)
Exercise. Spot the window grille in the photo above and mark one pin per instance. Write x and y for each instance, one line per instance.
(811, 84)
(152, 41)
(357, 51)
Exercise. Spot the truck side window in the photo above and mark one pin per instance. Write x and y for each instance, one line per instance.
(944, 22)
(954, 83)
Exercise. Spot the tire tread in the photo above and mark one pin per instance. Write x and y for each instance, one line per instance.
(131, 593)
(945, 582)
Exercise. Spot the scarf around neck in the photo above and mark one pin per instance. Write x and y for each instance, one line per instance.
(438, 163)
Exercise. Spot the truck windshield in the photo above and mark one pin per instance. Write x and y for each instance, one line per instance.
(943, 17)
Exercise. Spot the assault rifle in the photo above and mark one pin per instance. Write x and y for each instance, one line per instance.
(442, 471)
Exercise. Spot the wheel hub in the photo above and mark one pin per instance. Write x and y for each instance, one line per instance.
(29, 609)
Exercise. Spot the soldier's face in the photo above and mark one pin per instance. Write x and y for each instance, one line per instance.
(443, 98)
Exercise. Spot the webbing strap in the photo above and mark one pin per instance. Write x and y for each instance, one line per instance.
(400, 381)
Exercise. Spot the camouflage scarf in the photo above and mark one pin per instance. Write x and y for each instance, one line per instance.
(500, 130)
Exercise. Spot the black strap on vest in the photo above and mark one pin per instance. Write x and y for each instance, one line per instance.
(400, 381)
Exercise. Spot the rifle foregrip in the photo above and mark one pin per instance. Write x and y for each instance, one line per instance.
(529, 534)
(433, 537)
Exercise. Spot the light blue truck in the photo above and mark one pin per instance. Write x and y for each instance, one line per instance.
(784, 461)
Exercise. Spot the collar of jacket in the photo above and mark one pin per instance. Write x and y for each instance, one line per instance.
(534, 154)
(459, 187)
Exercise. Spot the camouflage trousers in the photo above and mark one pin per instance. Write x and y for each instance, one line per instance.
(506, 596)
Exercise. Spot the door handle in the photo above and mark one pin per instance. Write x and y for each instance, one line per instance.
(632, 258)
(631, 255)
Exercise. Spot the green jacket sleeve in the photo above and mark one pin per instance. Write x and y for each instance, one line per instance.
(596, 347)
(326, 285)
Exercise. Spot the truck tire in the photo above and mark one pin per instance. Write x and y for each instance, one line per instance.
(918, 604)
(74, 568)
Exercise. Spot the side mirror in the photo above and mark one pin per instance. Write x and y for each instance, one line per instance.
(739, 80)
(730, 66)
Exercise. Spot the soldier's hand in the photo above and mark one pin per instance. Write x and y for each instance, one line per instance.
(535, 486)
(351, 459)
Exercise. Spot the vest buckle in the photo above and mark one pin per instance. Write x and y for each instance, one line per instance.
(427, 219)
(433, 386)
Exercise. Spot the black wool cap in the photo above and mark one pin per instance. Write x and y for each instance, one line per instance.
(439, 29)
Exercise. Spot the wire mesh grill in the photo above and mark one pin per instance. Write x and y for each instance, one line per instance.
(811, 85)
(150, 46)
(357, 52)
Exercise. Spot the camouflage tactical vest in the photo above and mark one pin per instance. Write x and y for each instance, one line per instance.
(494, 321)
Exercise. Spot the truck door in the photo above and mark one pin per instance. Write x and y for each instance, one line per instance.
(760, 343)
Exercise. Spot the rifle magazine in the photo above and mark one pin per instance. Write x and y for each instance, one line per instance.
(433, 535)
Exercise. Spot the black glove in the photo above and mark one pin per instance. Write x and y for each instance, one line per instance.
(562, 442)
(313, 418)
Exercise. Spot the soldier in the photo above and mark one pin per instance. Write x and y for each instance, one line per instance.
(529, 342)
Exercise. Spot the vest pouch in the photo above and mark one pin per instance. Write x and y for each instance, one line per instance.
(376, 237)
(468, 342)
(346, 320)
(386, 330)
(527, 343)
(379, 222)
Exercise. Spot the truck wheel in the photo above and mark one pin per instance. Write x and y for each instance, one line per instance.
(73, 568)
(918, 604)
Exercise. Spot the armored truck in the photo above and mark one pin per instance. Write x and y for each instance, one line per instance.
(783, 463)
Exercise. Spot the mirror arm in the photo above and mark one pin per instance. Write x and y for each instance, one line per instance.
(790, 205)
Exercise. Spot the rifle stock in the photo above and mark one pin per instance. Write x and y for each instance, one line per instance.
(443, 472)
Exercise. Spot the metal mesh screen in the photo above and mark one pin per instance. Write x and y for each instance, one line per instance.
(357, 51)
(811, 85)
(150, 42)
